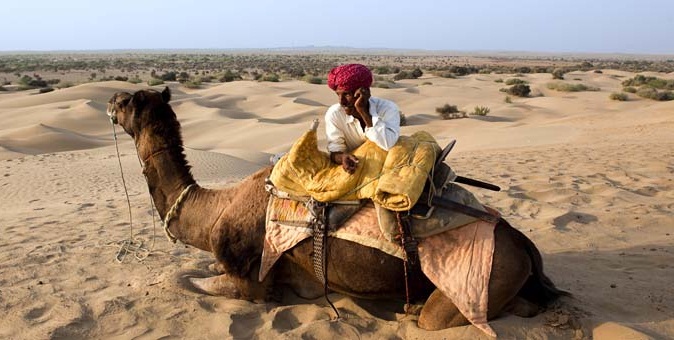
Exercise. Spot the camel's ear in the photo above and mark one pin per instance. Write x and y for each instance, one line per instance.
(124, 102)
(137, 100)
(166, 95)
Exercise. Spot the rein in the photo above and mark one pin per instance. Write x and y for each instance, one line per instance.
(135, 245)
(132, 244)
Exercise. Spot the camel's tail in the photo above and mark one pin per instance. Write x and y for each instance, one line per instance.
(538, 289)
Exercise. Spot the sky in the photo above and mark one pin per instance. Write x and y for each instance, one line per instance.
(569, 26)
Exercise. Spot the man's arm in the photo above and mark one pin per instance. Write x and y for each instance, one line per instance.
(385, 129)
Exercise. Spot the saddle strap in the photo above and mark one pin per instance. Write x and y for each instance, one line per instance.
(320, 237)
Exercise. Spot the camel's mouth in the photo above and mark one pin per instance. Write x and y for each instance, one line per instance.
(112, 114)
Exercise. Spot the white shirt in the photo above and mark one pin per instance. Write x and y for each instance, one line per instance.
(344, 132)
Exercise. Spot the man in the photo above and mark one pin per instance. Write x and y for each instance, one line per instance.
(358, 116)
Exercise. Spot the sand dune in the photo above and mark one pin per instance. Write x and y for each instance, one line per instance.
(588, 179)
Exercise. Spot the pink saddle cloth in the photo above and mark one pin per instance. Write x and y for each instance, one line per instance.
(457, 261)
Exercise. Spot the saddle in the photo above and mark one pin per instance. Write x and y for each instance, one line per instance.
(459, 207)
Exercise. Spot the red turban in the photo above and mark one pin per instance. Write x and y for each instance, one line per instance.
(349, 77)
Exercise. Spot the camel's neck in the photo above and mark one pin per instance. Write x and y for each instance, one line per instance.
(167, 174)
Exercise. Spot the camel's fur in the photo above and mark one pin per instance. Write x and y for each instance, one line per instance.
(230, 224)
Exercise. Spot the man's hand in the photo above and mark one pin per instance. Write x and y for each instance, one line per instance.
(348, 161)
(362, 104)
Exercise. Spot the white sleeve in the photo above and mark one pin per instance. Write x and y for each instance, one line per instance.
(385, 128)
(335, 136)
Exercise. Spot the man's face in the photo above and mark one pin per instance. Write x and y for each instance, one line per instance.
(347, 100)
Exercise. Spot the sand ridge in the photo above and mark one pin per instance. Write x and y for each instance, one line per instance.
(588, 179)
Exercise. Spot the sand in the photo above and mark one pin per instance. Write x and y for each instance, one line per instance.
(588, 179)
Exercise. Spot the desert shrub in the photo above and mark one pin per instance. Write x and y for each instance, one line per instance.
(46, 89)
(183, 77)
(66, 85)
(192, 84)
(598, 71)
(619, 96)
(462, 70)
(656, 83)
(403, 119)
(313, 80)
(520, 90)
(499, 80)
(382, 84)
(229, 76)
(272, 77)
(168, 76)
(651, 93)
(558, 73)
(2, 88)
(664, 96)
(135, 80)
(382, 70)
(446, 74)
(565, 87)
(206, 79)
(155, 82)
(296, 72)
(121, 78)
(515, 81)
(427, 83)
(480, 111)
(402, 75)
(450, 112)
(508, 100)
(53, 81)
(416, 73)
(630, 89)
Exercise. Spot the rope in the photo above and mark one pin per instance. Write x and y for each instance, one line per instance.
(174, 211)
(131, 245)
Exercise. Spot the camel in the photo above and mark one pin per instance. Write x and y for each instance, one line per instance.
(230, 223)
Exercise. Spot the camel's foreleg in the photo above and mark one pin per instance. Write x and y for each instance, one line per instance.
(233, 287)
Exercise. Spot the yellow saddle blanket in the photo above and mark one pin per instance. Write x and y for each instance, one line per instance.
(393, 179)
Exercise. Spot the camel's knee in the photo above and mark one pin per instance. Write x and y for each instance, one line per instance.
(439, 313)
(522, 308)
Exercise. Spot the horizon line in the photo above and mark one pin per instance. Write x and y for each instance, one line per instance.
(311, 49)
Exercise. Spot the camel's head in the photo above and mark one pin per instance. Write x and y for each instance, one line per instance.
(134, 111)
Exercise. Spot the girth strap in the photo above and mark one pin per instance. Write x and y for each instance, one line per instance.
(320, 257)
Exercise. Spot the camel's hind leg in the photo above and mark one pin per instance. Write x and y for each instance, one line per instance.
(511, 268)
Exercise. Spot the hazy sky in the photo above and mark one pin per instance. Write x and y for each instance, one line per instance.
(606, 26)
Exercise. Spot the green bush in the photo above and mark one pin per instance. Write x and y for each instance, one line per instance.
(558, 73)
(155, 82)
(656, 83)
(508, 100)
(499, 80)
(619, 96)
(515, 81)
(272, 77)
(480, 111)
(629, 89)
(565, 87)
(2, 88)
(651, 93)
(520, 90)
(313, 80)
(450, 112)
(229, 76)
(192, 84)
(135, 80)
(46, 89)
